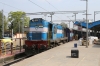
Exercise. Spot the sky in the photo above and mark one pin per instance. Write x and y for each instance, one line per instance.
(60, 5)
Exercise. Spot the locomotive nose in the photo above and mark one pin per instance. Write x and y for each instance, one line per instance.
(42, 46)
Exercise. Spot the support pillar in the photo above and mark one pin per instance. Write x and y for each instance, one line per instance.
(95, 32)
(0, 48)
(11, 47)
(20, 44)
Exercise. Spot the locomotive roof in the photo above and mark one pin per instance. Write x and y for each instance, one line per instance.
(58, 25)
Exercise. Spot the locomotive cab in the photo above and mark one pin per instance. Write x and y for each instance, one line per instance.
(38, 36)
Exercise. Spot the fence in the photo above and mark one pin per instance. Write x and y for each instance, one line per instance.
(13, 47)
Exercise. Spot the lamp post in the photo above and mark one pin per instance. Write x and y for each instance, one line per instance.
(69, 18)
(45, 16)
(51, 16)
(72, 21)
(69, 21)
(75, 18)
(2, 24)
(95, 13)
(86, 22)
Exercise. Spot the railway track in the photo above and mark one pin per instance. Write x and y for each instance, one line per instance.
(17, 58)
(22, 56)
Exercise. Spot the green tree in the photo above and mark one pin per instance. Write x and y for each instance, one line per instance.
(17, 18)
(0, 24)
(64, 25)
(5, 23)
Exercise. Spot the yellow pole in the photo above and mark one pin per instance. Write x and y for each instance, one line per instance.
(0, 49)
(48, 39)
(5, 48)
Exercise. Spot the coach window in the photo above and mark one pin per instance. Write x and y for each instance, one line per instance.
(55, 29)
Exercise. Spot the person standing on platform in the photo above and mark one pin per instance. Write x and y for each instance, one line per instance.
(71, 36)
(76, 36)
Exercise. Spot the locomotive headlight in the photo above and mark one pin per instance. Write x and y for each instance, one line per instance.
(40, 26)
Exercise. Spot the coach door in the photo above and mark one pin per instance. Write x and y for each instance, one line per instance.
(55, 32)
(50, 31)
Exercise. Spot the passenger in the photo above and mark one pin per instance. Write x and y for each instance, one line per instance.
(71, 36)
(84, 37)
(76, 36)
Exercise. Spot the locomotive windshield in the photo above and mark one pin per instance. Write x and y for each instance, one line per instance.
(37, 20)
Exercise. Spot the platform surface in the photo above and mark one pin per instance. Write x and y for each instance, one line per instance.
(61, 56)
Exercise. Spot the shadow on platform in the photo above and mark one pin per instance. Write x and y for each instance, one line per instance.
(68, 56)
(96, 46)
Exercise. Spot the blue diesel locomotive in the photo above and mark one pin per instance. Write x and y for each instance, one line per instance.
(43, 35)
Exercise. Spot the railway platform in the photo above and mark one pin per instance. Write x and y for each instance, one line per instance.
(61, 56)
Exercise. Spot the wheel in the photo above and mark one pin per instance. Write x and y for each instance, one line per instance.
(63, 42)
(54, 45)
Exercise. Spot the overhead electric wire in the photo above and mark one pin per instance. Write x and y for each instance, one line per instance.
(40, 7)
(10, 6)
(55, 7)
(37, 5)
(51, 5)
(22, 10)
